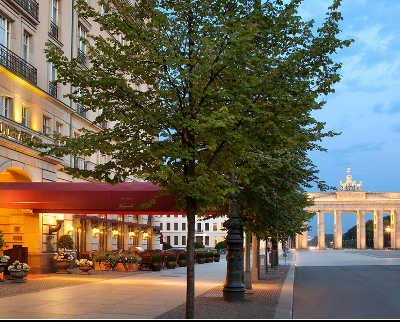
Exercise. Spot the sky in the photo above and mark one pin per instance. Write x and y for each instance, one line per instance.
(366, 105)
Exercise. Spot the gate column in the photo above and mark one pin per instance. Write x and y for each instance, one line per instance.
(338, 229)
(361, 237)
(321, 229)
(393, 226)
(378, 229)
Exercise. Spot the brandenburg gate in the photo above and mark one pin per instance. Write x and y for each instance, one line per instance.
(350, 198)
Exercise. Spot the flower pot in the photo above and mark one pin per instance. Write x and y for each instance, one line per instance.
(171, 265)
(18, 276)
(2, 268)
(85, 269)
(209, 260)
(132, 267)
(62, 267)
(182, 262)
(121, 267)
(216, 259)
(156, 266)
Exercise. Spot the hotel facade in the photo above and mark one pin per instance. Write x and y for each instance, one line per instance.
(31, 106)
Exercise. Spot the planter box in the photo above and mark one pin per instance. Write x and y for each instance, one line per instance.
(100, 266)
(132, 267)
(121, 268)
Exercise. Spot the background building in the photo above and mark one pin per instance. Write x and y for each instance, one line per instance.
(208, 232)
(31, 106)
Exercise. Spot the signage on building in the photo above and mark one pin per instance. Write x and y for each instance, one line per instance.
(17, 133)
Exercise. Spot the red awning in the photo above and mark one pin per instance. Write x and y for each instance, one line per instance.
(87, 198)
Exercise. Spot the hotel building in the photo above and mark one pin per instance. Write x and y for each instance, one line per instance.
(31, 106)
(208, 232)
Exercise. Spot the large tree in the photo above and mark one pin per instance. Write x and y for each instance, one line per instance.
(186, 84)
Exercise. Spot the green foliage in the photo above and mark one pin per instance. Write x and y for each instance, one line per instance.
(221, 245)
(171, 258)
(65, 242)
(1, 240)
(182, 256)
(198, 245)
(156, 258)
(166, 246)
(100, 258)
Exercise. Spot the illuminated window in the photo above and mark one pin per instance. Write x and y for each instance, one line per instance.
(46, 125)
(26, 116)
(215, 241)
(6, 107)
(215, 227)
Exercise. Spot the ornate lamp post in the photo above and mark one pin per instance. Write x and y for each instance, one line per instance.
(234, 287)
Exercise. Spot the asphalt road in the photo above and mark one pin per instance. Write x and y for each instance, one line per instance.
(346, 292)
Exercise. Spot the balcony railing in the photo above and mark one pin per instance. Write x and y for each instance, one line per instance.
(53, 30)
(17, 65)
(82, 56)
(80, 109)
(30, 6)
(53, 89)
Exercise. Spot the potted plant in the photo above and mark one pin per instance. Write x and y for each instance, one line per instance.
(3, 263)
(100, 262)
(156, 262)
(216, 257)
(208, 259)
(201, 258)
(63, 261)
(122, 263)
(84, 265)
(112, 261)
(19, 271)
(133, 261)
(182, 259)
(171, 261)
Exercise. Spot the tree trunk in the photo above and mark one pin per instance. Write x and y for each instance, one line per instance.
(247, 273)
(191, 219)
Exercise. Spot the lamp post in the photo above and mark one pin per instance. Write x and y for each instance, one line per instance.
(234, 287)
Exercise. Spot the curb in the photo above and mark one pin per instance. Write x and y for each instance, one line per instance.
(284, 309)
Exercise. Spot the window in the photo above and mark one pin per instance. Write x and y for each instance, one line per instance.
(82, 44)
(4, 32)
(215, 227)
(169, 239)
(102, 11)
(207, 226)
(6, 107)
(183, 226)
(59, 128)
(183, 240)
(54, 11)
(46, 125)
(52, 78)
(176, 240)
(168, 226)
(176, 216)
(26, 43)
(25, 116)
(199, 226)
(161, 226)
(207, 241)
(176, 226)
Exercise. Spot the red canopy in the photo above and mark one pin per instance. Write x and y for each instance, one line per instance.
(87, 198)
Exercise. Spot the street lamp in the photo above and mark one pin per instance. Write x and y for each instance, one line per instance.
(388, 230)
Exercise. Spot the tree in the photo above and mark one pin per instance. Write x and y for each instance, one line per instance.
(1, 240)
(190, 73)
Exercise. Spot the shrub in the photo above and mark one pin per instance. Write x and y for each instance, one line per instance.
(166, 246)
(65, 242)
(133, 259)
(156, 258)
(171, 258)
(198, 245)
(221, 245)
(182, 256)
(100, 258)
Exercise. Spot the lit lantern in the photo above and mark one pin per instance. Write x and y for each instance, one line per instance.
(70, 228)
(145, 235)
(115, 232)
(131, 234)
(60, 217)
(95, 231)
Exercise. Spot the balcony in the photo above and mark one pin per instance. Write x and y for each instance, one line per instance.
(82, 56)
(53, 89)
(17, 65)
(30, 6)
(80, 109)
(53, 30)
